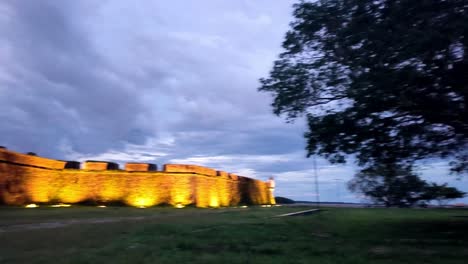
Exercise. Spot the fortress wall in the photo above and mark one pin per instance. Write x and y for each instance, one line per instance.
(223, 184)
(140, 167)
(189, 168)
(30, 160)
(178, 185)
(235, 189)
(100, 165)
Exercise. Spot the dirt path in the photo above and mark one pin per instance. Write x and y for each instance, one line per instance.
(63, 223)
(51, 224)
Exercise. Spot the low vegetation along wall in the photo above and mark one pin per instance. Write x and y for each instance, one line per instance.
(28, 179)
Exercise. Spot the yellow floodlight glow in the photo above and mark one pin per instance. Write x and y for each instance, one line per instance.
(31, 206)
(179, 206)
(101, 206)
(214, 201)
(142, 202)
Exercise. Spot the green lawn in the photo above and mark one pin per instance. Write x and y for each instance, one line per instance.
(242, 235)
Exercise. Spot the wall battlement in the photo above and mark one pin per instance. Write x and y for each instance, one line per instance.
(31, 179)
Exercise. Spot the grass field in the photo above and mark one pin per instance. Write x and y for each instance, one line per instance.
(242, 235)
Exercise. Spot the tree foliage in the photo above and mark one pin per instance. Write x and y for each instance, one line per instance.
(283, 200)
(397, 185)
(441, 193)
(383, 80)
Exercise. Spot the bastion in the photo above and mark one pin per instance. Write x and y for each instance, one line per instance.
(27, 179)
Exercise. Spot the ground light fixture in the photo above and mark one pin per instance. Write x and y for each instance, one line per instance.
(61, 205)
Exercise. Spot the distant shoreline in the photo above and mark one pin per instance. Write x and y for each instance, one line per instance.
(361, 205)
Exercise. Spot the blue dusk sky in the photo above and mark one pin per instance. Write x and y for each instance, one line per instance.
(159, 82)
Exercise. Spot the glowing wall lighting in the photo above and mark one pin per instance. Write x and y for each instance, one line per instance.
(214, 202)
(141, 202)
(181, 190)
(73, 190)
(109, 187)
(40, 180)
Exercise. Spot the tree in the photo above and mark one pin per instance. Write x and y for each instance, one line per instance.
(385, 81)
(397, 185)
(441, 193)
(391, 185)
(283, 200)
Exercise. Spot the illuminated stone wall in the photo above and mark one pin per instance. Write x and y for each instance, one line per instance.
(30, 179)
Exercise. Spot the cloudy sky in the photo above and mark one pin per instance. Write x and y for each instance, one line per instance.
(160, 82)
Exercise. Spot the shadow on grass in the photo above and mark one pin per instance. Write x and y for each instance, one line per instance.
(452, 230)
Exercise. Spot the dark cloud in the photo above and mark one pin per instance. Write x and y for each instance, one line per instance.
(81, 78)
(59, 87)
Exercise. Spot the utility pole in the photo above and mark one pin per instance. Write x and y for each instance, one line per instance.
(317, 193)
(337, 181)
